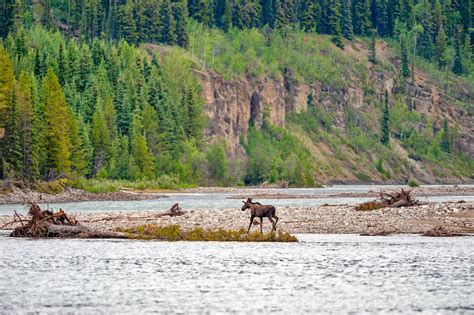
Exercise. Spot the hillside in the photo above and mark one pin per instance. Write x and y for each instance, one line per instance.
(154, 94)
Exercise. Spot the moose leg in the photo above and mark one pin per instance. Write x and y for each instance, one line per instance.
(273, 222)
(251, 221)
(261, 223)
(276, 219)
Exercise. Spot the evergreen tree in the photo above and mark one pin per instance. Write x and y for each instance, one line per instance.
(27, 137)
(56, 116)
(310, 17)
(101, 141)
(372, 48)
(128, 27)
(12, 157)
(445, 140)
(335, 23)
(347, 29)
(457, 63)
(7, 79)
(6, 16)
(441, 47)
(403, 46)
(385, 124)
(168, 33)
(226, 18)
(180, 16)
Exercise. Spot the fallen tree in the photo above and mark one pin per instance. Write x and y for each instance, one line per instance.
(401, 198)
(46, 223)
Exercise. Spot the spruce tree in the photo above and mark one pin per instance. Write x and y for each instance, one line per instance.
(335, 23)
(441, 47)
(457, 63)
(56, 118)
(445, 140)
(403, 47)
(26, 129)
(347, 29)
(128, 27)
(372, 48)
(7, 81)
(385, 123)
(101, 141)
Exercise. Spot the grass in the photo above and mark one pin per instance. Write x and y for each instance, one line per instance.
(369, 206)
(176, 233)
(106, 185)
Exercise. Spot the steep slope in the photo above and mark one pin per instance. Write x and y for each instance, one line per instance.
(233, 105)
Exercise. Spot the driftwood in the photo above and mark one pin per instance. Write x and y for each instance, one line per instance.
(402, 198)
(46, 223)
(441, 231)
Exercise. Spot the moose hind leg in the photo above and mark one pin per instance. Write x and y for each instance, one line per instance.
(273, 222)
(251, 221)
(261, 225)
(276, 219)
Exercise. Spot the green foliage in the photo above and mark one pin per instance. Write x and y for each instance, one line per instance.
(385, 123)
(175, 233)
(272, 157)
(413, 183)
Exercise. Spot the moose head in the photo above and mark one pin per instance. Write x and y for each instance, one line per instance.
(247, 204)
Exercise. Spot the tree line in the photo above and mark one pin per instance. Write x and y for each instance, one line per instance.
(70, 109)
(437, 24)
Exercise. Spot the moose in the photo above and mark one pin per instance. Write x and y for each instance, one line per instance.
(261, 211)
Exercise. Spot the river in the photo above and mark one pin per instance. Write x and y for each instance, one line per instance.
(321, 274)
(225, 200)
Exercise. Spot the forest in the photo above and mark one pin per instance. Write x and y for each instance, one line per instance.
(105, 89)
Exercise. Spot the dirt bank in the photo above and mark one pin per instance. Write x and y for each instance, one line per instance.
(458, 217)
(20, 196)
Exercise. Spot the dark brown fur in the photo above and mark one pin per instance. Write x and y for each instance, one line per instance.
(260, 211)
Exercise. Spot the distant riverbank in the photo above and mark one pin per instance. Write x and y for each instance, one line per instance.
(22, 195)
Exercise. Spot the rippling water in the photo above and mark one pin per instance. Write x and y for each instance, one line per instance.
(198, 201)
(325, 273)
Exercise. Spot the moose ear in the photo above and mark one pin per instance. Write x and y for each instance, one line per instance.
(250, 199)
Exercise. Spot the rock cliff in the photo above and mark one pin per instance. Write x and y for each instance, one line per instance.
(233, 105)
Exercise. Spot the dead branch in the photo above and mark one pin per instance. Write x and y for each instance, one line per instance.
(402, 198)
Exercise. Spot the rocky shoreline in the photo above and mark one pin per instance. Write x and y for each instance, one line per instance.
(21, 196)
(342, 219)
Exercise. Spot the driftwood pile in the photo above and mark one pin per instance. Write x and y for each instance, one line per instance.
(47, 223)
(402, 198)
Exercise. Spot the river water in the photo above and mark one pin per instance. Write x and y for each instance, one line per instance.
(322, 274)
(226, 200)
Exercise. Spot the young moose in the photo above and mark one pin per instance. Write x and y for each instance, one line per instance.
(261, 211)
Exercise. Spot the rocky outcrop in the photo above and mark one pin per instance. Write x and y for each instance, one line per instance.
(233, 105)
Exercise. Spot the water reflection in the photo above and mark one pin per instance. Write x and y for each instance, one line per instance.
(324, 273)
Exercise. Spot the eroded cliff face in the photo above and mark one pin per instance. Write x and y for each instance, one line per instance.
(233, 105)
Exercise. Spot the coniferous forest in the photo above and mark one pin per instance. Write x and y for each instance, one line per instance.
(102, 89)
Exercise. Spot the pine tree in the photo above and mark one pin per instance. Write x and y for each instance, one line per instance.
(180, 13)
(457, 63)
(7, 81)
(6, 16)
(335, 23)
(385, 124)
(143, 160)
(26, 130)
(128, 27)
(168, 33)
(403, 46)
(12, 157)
(310, 17)
(445, 140)
(101, 140)
(56, 116)
(441, 47)
(372, 48)
(226, 18)
(347, 29)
